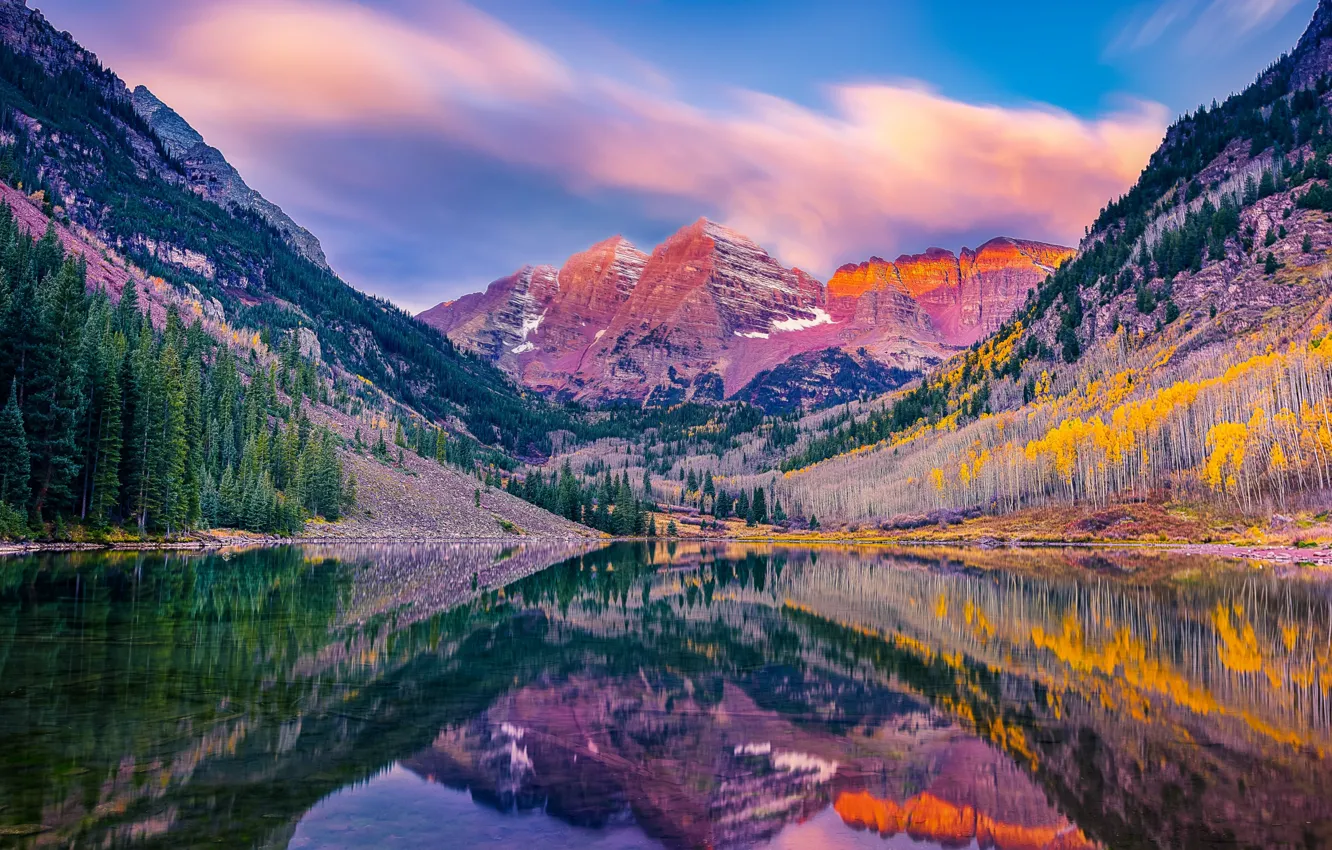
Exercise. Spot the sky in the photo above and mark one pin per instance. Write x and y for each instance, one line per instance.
(436, 146)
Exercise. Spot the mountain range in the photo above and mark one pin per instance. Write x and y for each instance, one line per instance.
(710, 315)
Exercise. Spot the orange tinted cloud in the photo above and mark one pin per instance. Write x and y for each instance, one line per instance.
(816, 185)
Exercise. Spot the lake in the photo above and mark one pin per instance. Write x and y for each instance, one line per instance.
(662, 695)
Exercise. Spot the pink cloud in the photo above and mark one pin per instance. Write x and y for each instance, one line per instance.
(815, 185)
(332, 61)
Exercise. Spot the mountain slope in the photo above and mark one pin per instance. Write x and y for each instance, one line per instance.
(78, 139)
(209, 173)
(1183, 355)
(710, 315)
(259, 377)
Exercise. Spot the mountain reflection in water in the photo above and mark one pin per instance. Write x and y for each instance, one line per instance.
(661, 694)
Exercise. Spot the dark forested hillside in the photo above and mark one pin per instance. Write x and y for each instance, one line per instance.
(72, 134)
(109, 421)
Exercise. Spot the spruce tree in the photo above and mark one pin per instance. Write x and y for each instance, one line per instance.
(759, 507)
(14, 460)
(55, 404)
(141, 439)
(105, 421)
(349, 495)
(128, 316)
(172, 449)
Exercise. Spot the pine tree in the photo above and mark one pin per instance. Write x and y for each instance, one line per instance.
(14, 460)
(172, 448)
(194, 457)
(759, 507)
(55, 404)
(104, 418)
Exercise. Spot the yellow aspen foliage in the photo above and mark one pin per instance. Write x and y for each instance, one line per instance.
(1276, 461)
(937, 479)
(1226, 444)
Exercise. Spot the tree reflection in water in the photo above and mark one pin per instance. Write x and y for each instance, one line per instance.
(706, 695)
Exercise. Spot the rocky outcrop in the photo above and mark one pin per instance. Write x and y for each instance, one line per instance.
(210, 175)
(709, 311)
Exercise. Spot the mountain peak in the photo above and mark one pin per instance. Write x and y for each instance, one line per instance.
(1313, 53)
(174, 131)
(723, 233)
(209, 173)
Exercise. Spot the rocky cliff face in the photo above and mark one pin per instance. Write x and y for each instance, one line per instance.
(497, 323)
(961, 298)
(709, 310)
(704, 296)
(210, 175)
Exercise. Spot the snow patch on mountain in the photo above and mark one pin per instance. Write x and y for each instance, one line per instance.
(530, 324)
(820, 317)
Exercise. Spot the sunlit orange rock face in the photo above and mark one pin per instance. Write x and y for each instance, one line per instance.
(964, 297)
(925, 817)
(709, 310)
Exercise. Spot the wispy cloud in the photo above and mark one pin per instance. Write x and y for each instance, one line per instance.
(1226, 21)
(820, 185)
(1198, 24)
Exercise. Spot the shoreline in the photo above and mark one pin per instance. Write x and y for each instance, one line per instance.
(219, 543)
(1270, 554)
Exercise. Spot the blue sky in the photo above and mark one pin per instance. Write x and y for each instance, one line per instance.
(434, 147)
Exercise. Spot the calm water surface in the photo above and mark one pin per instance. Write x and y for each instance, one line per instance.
(655, 695)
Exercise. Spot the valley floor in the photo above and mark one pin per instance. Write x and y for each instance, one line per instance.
(1302, 538)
